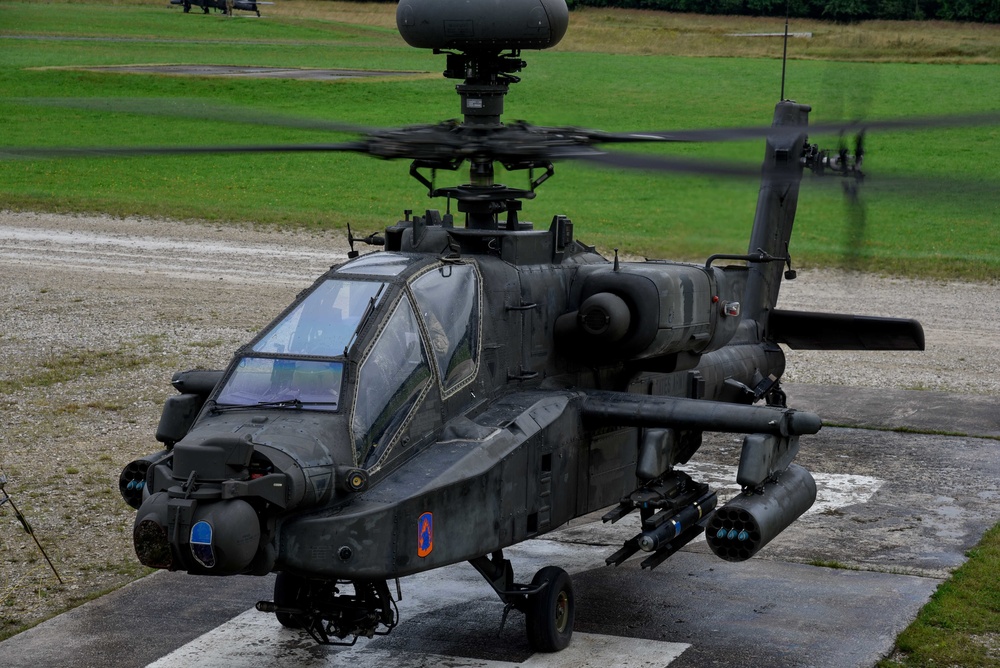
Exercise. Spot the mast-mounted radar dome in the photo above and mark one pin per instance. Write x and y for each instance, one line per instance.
(482, 25)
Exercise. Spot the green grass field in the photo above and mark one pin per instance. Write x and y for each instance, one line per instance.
(619, 71)
(941, 225)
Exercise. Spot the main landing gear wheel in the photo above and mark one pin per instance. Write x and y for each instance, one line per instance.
(289, 590)
(549, 613)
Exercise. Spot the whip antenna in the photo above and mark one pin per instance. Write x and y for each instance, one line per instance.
(24, 523)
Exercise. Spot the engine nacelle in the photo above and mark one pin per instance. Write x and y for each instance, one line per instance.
(651, 309)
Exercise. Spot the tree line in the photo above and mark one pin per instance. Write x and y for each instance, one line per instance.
(846, 11)
(980, 11)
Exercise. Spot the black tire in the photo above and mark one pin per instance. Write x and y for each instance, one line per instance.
(289, 592)
(550, 612)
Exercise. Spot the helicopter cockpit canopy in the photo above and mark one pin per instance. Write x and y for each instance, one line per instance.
(323, 325)
(434, 335)
(426, 319)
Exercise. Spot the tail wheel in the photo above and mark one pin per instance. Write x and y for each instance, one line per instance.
(290, 592)
(550, 612)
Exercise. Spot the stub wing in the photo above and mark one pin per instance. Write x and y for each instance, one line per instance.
(802, 330)
(640, 410)
(674, 509)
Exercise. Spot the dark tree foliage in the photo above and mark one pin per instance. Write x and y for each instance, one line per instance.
(982, 11)
(845, 11)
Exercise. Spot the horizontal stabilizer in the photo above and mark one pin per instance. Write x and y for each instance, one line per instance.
(801, 330)
(643, 410)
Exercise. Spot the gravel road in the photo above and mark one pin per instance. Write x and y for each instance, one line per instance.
(99, 312)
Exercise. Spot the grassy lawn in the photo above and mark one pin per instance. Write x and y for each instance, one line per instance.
(960, 626)
(616, 70)
(939, 223)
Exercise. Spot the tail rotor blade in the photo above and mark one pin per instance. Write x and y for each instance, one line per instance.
(856, 223)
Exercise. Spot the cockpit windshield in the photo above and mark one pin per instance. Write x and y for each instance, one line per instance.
(323, 325)
(283, 383)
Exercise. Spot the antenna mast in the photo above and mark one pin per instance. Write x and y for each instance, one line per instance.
(784, 54)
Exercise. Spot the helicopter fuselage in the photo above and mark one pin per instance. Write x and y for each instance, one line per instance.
(401, 357)
(468, 388)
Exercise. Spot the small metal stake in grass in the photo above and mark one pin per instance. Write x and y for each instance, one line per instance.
(24, 523)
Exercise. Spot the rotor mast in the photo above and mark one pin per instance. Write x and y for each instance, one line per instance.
(486, 77)
(483, 41)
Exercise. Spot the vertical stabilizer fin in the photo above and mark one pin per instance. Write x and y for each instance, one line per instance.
(781, 175)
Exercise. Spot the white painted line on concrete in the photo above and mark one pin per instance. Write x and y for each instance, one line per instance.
(239, 644)
(589, 650)
(833, 490)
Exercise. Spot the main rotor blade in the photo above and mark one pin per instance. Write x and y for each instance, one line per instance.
(673, 164)
(910, 186)
(198, 108)
(914, 123)
(193, 108)
(826, 127)
(129, 151)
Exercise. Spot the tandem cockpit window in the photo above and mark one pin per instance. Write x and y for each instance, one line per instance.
(393, 377)
(397, 370)
(448, 301)
(323, 325)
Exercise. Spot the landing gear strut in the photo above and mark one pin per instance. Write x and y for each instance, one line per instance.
(547, 603)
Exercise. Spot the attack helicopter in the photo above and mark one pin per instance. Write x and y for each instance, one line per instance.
(479, 380)
(221, 5)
